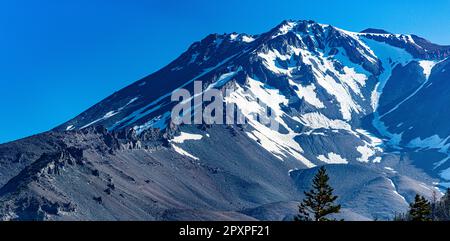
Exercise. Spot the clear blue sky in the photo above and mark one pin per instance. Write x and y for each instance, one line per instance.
(59, 57)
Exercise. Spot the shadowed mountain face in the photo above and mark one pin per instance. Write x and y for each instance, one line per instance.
(371, 106)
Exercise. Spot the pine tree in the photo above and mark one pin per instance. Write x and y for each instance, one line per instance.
(420, 209)
(319, 202)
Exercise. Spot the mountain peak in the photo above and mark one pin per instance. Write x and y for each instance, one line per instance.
(375, 30)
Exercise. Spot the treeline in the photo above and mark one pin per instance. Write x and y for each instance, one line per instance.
(319, 204)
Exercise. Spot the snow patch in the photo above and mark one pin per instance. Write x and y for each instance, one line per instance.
(247, 39)
(427, 66)
(106, 116)
(374, 141)
(284, 29)
(234, 36)
(377, 159)
(316, 120)
(366, 153)
(270, 61)
(390, 169)
(184, 153)
(332, 158)
(132, 101)
(184, 136)
(308, 93)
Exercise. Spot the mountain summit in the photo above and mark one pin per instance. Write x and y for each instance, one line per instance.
(376, 31)
(371, 106)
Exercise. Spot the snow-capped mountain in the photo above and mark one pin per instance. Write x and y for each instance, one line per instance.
(369, 105)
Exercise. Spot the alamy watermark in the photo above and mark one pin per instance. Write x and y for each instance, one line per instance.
(213, 106)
